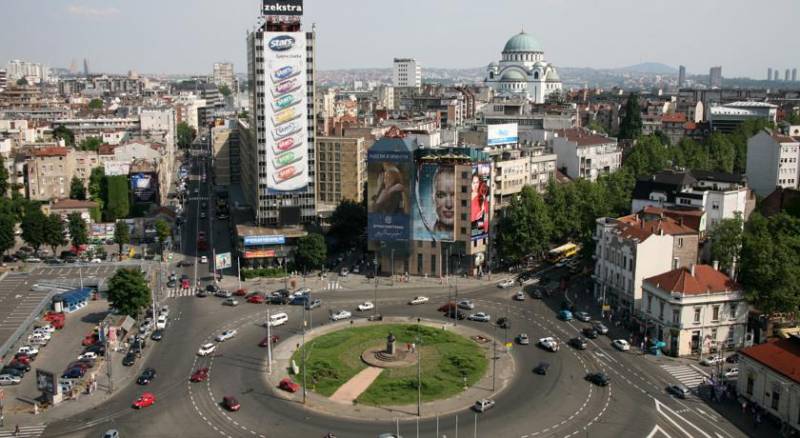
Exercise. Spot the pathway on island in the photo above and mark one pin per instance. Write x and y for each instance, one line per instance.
(356, 385)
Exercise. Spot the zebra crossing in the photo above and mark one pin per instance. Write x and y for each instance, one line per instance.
(179, 292)
(332, 285)
(199, 198)
(24, 431)
(685, 374)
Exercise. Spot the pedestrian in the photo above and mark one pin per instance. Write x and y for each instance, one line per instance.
(413, 348)
(744, 407)
(16, 430)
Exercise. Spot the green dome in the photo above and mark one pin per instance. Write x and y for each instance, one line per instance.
(513, 76)
(522, 42)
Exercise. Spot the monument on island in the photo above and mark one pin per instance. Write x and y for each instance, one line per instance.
(390, 356)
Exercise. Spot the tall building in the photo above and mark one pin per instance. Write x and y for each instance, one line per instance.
(794, 74)
(772, 161)
(522, 70)
(85, 67)
(786, 75)
(776, 75)
(769, 73)
(3, 79)
(30, 71)
(407, 73)
(223, 74)
(715, 77)
(278, 154)
(681, 76)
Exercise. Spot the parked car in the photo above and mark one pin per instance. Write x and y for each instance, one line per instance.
(506, 283)
(523, 339)
(231, 302)
(578, 343)
(288, 385)
(549, 343)
(129, 359)
(230, 403)
(256, 299)
(598, 378)
(480, 317)
(74, 373)
(199, 375)
(621, 344)
(29, 350)
(157, 335)
(8, 379)
(366, 305)
(583, 316)
(679, 390)
(519, 296)
(483, 405)
(728, 374)
(88, 355)
(711, 360)
(147, 376)
(147, 399)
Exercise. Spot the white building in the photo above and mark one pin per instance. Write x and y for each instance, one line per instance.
(726, 118)
(772, 161)
(693, 308)
(33, 72)
(584, 154)
(223, 74)
(407, 73)
(522, 70)
(187, 106)
(770, 377)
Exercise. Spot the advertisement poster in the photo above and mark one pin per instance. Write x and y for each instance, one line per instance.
(502, 134)
(264, 240)
(222, 261)
(434, 203)
(389, 192)
(143, 187)
(286, 111)
(479, 201)
(259, 253)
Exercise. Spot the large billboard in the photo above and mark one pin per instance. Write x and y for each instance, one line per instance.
(502, 134)
(480, 196)
(286, 111)
(434, 202)
(222, 261)
(144, 187)
(276, 239)
(282, 7)
(389, 192)
(116, 168)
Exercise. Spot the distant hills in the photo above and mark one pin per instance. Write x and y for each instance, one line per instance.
(655, 68)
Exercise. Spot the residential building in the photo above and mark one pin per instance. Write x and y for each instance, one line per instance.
(32, 72)
(695, 308)
(769, 73)
(772, 162)
(786, 75)
(102, 84)
(516, 168)
(715, 77)
(673, 125)
(781, 200)
(49, 172)
(341, 169)
(187, 107)
(66, 207)
(523, 71)
(681, 76)
(406, 73)
(224, 74)
(3, 79)
(632, 248)
(221, 154)
(726, 118)
(585, 154)
(769, 377)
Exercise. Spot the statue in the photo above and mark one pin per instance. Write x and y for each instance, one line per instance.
(390, 348)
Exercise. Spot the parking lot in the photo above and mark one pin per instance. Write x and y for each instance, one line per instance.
(18, 304)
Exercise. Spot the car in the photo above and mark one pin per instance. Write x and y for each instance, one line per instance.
(147, 376)
(199, 375)
(583, 316)
(33, 260)
(222, 293)
(679, 390)
(161, 322)
(233, 302)
(313, 304)
(256, 299)
(212, 288)
(88, 355)
(598, 378)
(206, 349)
(224, 336)
(172, 284)
(541, 368)
(145, 400)
(734, 358)
(419, 300)
(74, 373)
(19, 365)
(21, 358)
(366, 305)
(343, 272)
(230, 403)
(111, 433)
(621, 344)
(549, 343)
(96, 260)
(203, 259)
(446, 307)
(506, 283)
(523, 339)
(265, 342)
(8, 379)
(85, 364)
(728, 374)
(711, 360)
(100, 349)
(565, 315)
(185, 284)
(49, 328)
(342, 314)
(503, 322)
(240, 292)
(483, 405)
(480, 317)
(590, 333)
(157, 335)
(519, 296)
(466, 304)
(600, 327)
(288, 385)
(29, 350)
(578, 343)
(129, 359)
(202, 215)
(455, 314)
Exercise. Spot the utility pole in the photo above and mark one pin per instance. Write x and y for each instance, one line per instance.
(375, 293)
(269, 345)
(392, 266)
(494, 356)
(304, 354)
(418, 349)
(110, 360)
(239, 271)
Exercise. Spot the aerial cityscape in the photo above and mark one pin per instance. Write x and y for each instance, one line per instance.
(296, 218)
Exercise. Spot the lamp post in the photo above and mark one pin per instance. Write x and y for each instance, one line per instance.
(419, 370)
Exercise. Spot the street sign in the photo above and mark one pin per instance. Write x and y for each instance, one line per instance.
(606, 307)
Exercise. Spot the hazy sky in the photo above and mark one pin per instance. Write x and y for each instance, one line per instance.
(188, 36)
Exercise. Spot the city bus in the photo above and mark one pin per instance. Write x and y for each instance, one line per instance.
(562, 252)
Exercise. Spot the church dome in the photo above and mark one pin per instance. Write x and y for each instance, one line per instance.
(552, 76)
(513, 76)
(522, 43)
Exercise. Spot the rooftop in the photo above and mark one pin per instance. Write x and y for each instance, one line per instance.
(50, 152)
(674, 118)
(637, 226)
(781, 356)
(69, 204)
(583, 137)
(705, 279)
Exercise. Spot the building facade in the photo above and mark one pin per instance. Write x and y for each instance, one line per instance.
(406, 73)
(522, 70)
(341, 169)
(584, 154)
(49, 172)
(772, 162)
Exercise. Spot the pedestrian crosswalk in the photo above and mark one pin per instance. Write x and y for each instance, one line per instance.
(24, 431)
(199, 198)
(332, 285)
(685, 374)
(179, 292)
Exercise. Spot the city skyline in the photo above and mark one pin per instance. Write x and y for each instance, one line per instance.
(573, 34)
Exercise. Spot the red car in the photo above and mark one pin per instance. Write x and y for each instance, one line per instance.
(22, 358)
(90, 339)
(145, 400)
(447, 306)
(185, 283)
(230, 403)
(265, 342)
(288, 385)
(200, 375)
(240, 292)
(255, 299)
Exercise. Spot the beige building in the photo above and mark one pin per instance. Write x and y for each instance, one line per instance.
(221, 150)
(49, 171)
(585, 154)
(66, 207)
(341, 169)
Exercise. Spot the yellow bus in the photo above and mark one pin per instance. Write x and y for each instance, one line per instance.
(562, 252)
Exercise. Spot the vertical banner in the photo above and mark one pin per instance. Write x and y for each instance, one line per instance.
(479, 200)
(286, 111)
(389, 192)
(434, 202)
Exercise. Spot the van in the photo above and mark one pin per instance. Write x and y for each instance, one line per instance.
(278, 319)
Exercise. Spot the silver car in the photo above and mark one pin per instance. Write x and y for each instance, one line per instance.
(679, 390)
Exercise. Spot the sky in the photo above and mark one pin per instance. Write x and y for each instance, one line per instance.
(188, 36)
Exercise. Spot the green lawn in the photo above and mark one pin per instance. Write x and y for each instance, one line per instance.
(334, 358)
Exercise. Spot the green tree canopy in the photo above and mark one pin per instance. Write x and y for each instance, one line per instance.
(310, 252)
(224, 90)
(90, 144)
(3, 177)
(7, 237)
(118, 200)
(33, 227)
(129, 292)
(96, 104)
(726, 241)
(21, 82)
(526, 227)
(54, 235)
(78, 232)
(122, 235)
(76, 189)
(64, 133)
(630, 127)
(163, 232)
(348, 222)
(185, 134)
(648, 156)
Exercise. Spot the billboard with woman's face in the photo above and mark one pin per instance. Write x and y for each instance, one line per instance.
(434, 203)
(479, 200)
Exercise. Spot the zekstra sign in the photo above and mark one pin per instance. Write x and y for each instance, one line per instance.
(283, 7)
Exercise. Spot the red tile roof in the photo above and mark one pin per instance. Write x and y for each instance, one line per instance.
(674, 118)
(690, 126)
(780, 138)
(106, 149)
(781, 356)
(583, 137)
(50, 152)
(705, 280)
(634, 227)
(72, 203)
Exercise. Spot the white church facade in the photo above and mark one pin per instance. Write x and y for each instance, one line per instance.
(523, 70)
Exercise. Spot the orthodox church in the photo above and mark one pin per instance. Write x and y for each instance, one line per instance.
(523, 70)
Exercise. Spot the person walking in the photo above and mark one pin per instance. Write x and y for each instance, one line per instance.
(16, 430)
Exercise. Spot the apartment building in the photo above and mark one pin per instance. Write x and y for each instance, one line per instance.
(585, 154)
(49, 171)
(772, 162)
(406, 73)
(341, 169)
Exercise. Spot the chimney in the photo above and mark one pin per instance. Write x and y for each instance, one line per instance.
(691, 268)
(716, 265)
(732, 270)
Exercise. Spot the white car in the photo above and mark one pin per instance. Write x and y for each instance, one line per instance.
(203, 259)
(523, 339)
(419, 300)
(342, 314)
(466, 304)
(483, 405)
(45, 328)
(480, 316)
(29, 350)
(549, 343)
(519, 296)
(40, 336)
(506, 283)
(96, 261)
(161, 324)
(366, 305)
(712, 360)
(621, 344)
(227, 334)
(731, 373)
(8, 379)
(88, 355)
(206, 349)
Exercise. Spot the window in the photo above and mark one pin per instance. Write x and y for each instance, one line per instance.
(661, 310)
(734, 307)
(713, 335)
(697, 315)
(433, 244)
(680, 242)
(463, 189)
(776, 397)
(676, 316)
(715, 313)
(750, 385)
(675, 262)
(433, 264)
(419, 263)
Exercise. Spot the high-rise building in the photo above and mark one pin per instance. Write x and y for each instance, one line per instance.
(715, 77)
(786, 75)
(278, 152)
(776, 75)
(30, 71)
(3, 79)
(85, 67)
(223, 74)
(769, 73)
(407, 73)
(681, 76)
(794, 74)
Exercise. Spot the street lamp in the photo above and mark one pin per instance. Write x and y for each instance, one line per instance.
(419, 370)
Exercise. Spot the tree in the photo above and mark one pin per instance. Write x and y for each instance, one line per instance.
(3, 177)
(64, 133)
(647, 157)
(54, 232)
(90, 144)
(33, 226)
(185, 134)
(310, 252)
(7, 237)
(224, 90)
(128, 292)
(96, 185)
(564, 222)
(21, 82)
(722, 152)
(117, 201)
(122, 235)
(594, 125)
(163, 232)
(348, 222)
(78, 231)
(526, 228)
(630, 127)
(726, 241)
(76, 189)
(95, 104)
